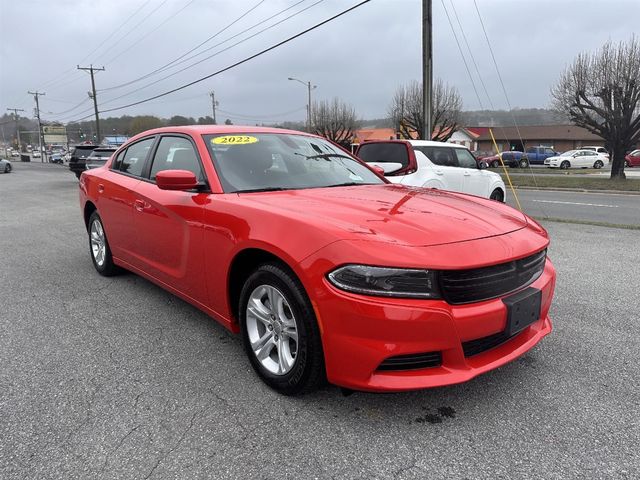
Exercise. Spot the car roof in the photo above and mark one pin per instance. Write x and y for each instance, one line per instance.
(431, 143)
(216, 129)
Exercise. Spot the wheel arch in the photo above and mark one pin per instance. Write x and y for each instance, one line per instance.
(243, 263)
(89, 208)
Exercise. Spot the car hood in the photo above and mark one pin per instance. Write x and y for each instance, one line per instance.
(392, 213)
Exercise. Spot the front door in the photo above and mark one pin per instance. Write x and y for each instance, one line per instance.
(169, 224)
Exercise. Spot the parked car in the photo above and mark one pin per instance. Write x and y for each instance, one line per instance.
(482, 154)
(604, 155)
(325, 268)
(36, 154)
(77, 162)
(15, 153)
(537, 155)
(99, 157)
(5, 166)
(576, 159)
(632, 159)
(421, 163)
(55, 157)
(511, 159)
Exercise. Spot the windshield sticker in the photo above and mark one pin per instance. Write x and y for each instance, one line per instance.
(234, 140)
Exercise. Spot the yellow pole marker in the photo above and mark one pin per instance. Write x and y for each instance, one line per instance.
(515, 195)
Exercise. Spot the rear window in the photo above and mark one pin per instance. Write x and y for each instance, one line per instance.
(82, 152)
(384, 153)
(102, 153)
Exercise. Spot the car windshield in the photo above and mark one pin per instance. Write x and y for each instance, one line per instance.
(273, 161)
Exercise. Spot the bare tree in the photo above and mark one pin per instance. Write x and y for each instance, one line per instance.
(335, 120)
(601, 92)
(406, 110)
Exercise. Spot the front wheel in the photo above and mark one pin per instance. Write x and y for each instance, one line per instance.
(598, 164)
(497, 194)
(565, 165)
(495, 163)
(7, 168)
(279, 330)
(99, 247)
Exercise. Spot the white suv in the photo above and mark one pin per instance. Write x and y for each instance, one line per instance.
(601, 151)
(423, 163)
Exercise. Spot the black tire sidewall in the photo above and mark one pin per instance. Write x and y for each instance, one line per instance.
(499, 192)
(309, 356)
(565, 165)
(495, 164)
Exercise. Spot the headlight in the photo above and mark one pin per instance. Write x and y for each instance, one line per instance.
(386, 282)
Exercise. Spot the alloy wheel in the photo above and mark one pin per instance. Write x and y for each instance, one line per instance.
(272, 329)
(98, 243)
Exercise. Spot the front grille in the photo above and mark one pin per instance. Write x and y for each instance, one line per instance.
(412, 361)
(475, 285)
(479, 345)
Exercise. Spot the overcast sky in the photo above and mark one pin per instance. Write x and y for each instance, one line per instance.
(360, 57)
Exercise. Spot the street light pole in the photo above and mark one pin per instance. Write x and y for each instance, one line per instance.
(15, 118)
(37, 94)
(427, 68)
(309, 88)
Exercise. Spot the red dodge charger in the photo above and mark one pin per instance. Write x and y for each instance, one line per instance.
(327, 270)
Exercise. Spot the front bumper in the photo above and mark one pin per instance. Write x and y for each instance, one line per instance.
(359, 333)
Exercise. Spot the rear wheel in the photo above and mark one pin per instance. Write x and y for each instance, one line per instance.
(7, 168)
(497, 194)
(495, 163)
(279, 330)
(598, 164)
(523, 163)
(99, 247)
(565, 164)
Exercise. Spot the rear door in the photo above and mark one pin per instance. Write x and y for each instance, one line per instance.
(169, 224)
(445, 166)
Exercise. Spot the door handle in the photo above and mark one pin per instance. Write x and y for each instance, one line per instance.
(100, 188)
(466, 173)
(439, 172)
(139, 205)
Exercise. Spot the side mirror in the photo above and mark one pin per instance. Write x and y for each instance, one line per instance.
(176, 180)
(482, 165)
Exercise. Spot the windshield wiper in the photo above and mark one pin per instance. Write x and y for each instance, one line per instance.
(325, 156)
(266, 189)
(347, 184)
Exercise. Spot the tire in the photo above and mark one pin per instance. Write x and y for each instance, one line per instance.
(565, 165)
(298, 365)
(495, 163)
(7, 168)
(497, 195)
(99, 247)
(598, 164)
(78, 175)
(523, 163)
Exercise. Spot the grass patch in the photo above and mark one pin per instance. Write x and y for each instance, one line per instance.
(546, 171)
(569, 181)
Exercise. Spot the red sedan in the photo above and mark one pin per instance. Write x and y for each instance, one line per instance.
(632, 159)
(327, 270)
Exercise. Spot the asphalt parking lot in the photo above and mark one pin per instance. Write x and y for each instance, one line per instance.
(115, 378)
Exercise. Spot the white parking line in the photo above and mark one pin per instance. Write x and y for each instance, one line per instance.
(576, 203)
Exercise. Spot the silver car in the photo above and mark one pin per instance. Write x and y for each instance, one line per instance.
(5, 166)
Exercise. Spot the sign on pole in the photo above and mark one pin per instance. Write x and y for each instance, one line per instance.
(54, 134)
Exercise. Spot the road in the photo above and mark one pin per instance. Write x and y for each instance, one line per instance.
(116, 378)
(623, 209)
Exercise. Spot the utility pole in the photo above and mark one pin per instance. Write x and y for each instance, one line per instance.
(36, 94)
(427, 67)
(309, 88)
(91, 69)
(214, 104)
(15, 118)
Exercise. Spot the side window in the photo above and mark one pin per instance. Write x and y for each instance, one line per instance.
(134, 157)
(176, 153)
(465, 159)
(117, 163)
(384, 153)
(548, 151)
(445, 157)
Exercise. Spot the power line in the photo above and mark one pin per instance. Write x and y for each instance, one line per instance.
(91, 70)
(212, 55)
(172, 62)
(247, 59)
(137, 42)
